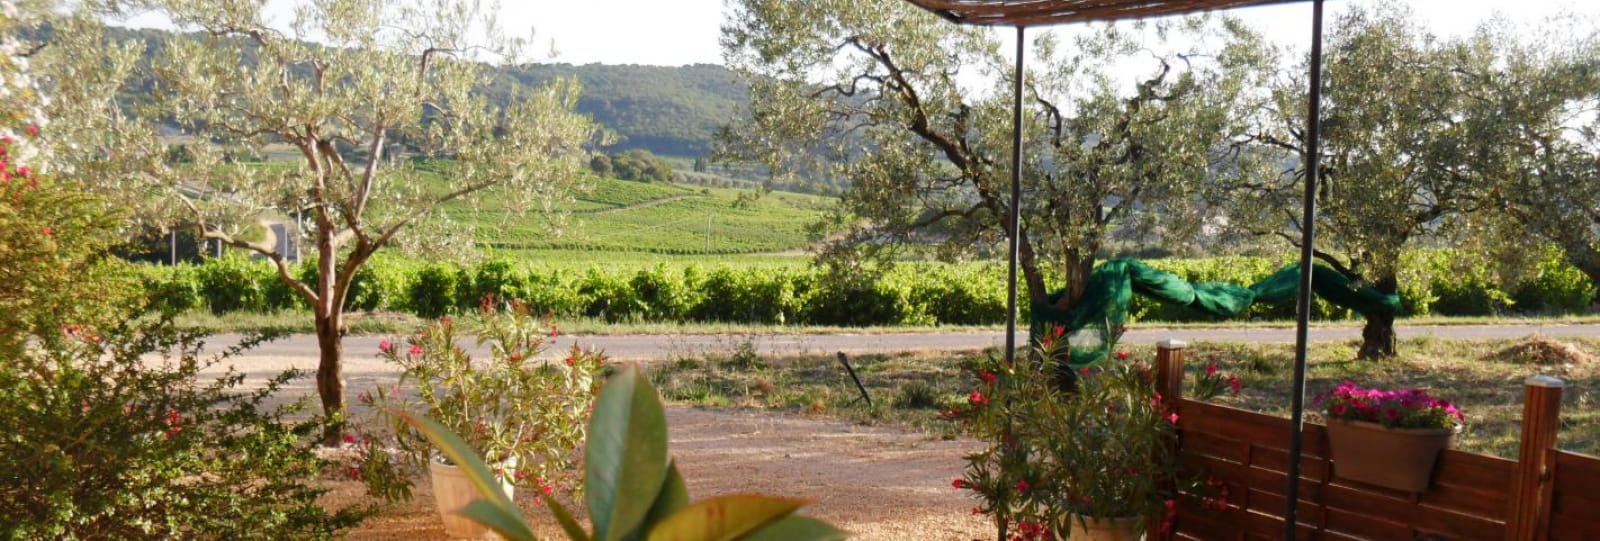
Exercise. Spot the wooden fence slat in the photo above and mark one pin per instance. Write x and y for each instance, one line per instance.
(1527, 513)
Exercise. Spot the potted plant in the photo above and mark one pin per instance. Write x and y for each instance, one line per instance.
(1389, 438)
(523, 416)
(634, 489)
(1091, 462)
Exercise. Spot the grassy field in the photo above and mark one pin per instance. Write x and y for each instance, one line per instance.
(1484, 377)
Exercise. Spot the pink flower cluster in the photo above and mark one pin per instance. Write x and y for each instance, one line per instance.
(1400, 408)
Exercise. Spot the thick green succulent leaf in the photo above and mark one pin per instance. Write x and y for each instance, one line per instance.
(626, 456)
(797, 528)
(723, 518)
(574, 531)
(508, 524)
(674, 495)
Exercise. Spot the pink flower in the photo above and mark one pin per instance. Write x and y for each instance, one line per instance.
(22, 171)
(1211, 369)
(349, 439)
(385, 346)
(1234, 384)
(47, 231)
(554, 331)
(1172, 418)
(416, 349)
(1022, 486)
(31, 130)
(960, 483)
(1122, 355)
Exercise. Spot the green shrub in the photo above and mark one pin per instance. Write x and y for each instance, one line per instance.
(170, 289)
(232, 283)
(164, 453)
(433, 293)
(608, 297)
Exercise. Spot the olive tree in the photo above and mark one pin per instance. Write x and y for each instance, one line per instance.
(378, 106)
(1534, 116)
(915, 113)
(1394, 143)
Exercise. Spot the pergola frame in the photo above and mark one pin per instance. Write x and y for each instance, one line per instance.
(1025, 13)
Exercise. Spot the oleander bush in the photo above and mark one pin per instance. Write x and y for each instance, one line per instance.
(123, 434)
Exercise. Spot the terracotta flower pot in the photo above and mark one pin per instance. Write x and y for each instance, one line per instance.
(452, 491)
(1397, 458)
(1107, 529)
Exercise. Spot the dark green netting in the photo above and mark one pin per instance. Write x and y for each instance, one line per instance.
(1103, 310)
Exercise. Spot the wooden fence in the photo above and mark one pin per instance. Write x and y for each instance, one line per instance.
(1545, 494)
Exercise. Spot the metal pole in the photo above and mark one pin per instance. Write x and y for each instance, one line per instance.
(1015, 220)
(1308, 227)
(172, 247)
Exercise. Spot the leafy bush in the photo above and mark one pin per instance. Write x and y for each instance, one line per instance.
(164, 452)
(434, 291)
(514, 409)
(232, 283)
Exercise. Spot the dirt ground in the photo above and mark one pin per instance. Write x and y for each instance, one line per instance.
(876, 483)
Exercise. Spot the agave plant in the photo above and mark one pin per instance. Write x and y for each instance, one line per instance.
(633, 489)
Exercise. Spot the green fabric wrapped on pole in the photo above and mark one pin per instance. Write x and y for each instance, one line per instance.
(1110, 288)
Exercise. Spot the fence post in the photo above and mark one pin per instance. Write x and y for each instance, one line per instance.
(1169, 369)
(1541, 419)
(1169, 382)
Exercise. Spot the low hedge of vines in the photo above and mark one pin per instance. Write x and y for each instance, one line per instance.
(918, 293)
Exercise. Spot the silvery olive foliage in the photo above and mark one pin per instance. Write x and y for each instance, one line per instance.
(373, 112)
(1123, 125)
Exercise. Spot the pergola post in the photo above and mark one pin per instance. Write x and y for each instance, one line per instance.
(1308, 228)
(1014, 225)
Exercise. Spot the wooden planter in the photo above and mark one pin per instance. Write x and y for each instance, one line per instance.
(1397, 458)
(452, 491)
(1107, 529)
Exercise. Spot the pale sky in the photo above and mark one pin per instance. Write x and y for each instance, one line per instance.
(677, 32)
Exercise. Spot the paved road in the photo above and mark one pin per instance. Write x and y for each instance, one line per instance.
(665, 347)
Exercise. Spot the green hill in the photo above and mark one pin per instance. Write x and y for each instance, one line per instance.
(666, 110)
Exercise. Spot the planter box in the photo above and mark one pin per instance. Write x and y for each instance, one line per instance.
(1397, 458)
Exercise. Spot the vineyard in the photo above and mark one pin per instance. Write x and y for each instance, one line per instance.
(662, 218)
(785, 290)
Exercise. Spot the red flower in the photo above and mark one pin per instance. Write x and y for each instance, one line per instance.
(1122, 355)
(385, 346)
(960, 483)
(986, 376)
(554, 331)
(570, 360)
(349, 439)
(416, 349)
(1022, 486)
(1084, 370)
(1172, 418)
(353, 472)
(47, 231)
(977, 398)
(1211, 368)
(1058, 331)
(22, 171)
(1234, 384)
(31, 130)
(977, 511)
